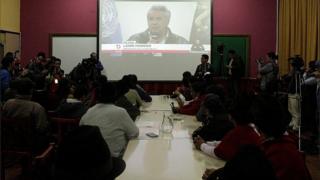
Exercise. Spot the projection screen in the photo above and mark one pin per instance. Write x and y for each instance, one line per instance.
(155, 39)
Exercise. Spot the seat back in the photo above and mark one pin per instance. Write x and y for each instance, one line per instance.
(18, 134)
(64, 125)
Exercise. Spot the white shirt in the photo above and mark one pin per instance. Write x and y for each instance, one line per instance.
(209, 147)
(115, 125)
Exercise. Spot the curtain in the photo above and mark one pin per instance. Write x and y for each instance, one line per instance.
(299, 31)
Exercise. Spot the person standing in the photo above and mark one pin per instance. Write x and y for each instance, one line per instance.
(234, 67)
(268, 72)
(5, 74)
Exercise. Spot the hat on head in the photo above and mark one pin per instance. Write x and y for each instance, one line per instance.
(84, 154)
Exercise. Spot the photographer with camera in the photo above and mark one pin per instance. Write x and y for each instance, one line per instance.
(268, 71)
(88, 70)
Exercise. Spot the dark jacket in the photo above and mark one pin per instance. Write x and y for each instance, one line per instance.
(202, 69)
(215, 128)
(68, 109)
(143, 94)
(143, 37)
(132, 110)
(237, 70)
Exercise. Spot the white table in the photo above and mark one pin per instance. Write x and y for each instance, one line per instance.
(151, 122)
(169, 156)
(159, 103)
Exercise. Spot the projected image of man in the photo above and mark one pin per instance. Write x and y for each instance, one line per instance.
(158, 32)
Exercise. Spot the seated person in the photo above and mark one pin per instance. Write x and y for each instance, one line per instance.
(122, 101)
(115, 124)
(280, 148)
(250, 163)
(203, 68)
(72, 107)
(217, 123)
(132, 95)
(90, 99)
(142, 93)
(40, 92)
(84, 155)
(21, 107)
(211, 89)
(193, 106)
(244, 133)
(185, 89)
(158, 31)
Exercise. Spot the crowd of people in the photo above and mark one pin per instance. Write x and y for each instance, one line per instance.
(255, 132)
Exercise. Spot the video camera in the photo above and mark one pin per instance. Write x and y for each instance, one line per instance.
(87, 62)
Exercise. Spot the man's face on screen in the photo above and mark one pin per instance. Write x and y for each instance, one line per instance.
(157, 22)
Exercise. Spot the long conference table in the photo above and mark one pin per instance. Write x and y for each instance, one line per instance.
(171, 156)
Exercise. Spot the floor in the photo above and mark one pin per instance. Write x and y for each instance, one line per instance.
(313, 163)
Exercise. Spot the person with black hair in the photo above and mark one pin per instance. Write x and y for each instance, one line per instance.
(55, 70)
(203, 68)
(72, 106)
(235, 72)
(21, 107)
(280, 147)
(142, 93)
(37, 66)
(122, 101)
(184, 90)
(250, 163)
(91, 99)
(268, 71)
(192, 107)
(217, 122)
(84, 155)
(40, 93)
(132, 95)
(114, 122)
(211, 89)
(5, 74)
(244, 133)
(87, 71)
(309, 124)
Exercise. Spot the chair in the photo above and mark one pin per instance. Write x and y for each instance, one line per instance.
(18, 142)
(63, 125)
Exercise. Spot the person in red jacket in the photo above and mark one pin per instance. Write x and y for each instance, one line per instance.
(244, 133)
(280, 148)
(193, 106)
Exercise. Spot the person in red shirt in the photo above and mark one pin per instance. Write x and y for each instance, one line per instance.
(280, 148)
(192, 107)
(244, 133)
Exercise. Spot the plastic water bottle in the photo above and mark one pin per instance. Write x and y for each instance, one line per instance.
(167, 124)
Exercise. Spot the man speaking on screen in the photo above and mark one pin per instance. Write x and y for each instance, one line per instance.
(158, 31)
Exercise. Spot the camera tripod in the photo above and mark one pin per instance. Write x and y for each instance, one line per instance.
(295, 100)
